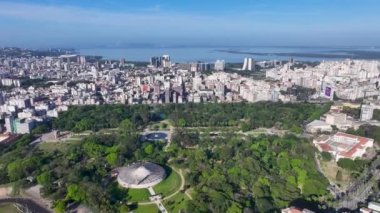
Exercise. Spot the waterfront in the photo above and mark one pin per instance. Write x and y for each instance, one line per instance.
(236, 54)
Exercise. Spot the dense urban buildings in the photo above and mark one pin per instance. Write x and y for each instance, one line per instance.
(36, 90)
(54, 83)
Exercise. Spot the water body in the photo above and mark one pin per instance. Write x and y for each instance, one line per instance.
(237, 54)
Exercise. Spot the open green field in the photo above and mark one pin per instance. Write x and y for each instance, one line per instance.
(146, 209)
(170, 185)
(176, 203)
(8, 208)
(138, 195)
(51, 147)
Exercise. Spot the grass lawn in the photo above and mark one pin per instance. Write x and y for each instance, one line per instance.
(191, 192)
(137, 195)
(51, 147)
(176, 203)
(146, 209)
(8, 208)
(170, 185)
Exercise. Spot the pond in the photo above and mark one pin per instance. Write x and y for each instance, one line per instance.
(155, 136)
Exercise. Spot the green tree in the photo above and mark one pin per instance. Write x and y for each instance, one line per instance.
(264, 205)
(44, 178)
(15, 170)
(76, 193)
(124, 209)
(112, 159)
(245, 127)
(352, 165)
(149, 149)
(326, 156)
(126, 127)
(296, 129)
(60, 206)
(40, 129)
(313, 187)
(181, 122)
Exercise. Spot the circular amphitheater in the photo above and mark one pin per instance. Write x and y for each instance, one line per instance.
(141, 175)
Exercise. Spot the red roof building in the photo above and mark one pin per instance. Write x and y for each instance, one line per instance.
(343, 145)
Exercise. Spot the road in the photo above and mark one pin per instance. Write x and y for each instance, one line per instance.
(359, 190)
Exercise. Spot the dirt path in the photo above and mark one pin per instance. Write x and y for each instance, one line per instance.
(5, 191)
(188, 195)
(171, 131)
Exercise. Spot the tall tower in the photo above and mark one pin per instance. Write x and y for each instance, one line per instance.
(219, 65)
(165, 59)
(2, 99)
(249, 64)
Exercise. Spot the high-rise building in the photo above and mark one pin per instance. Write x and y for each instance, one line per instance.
(197, 81)
(366, 113)
(24, 126)
(249, 64)
(155, 61)
(200, 66)
(220, 89)
(194, 67)
(156, 89)
(165, 60)
(2, 99)
(204, 66)
(82, 60)
(122, 62)
(10, 124)
(175, 97)
(220, 65)
(167, 96)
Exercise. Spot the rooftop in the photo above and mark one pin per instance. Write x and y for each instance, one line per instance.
(141, 175)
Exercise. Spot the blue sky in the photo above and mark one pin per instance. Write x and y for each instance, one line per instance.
(117, 23)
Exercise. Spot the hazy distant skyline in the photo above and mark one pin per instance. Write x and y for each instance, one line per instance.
(118, 23)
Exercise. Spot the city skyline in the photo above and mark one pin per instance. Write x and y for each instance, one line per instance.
(86, 24)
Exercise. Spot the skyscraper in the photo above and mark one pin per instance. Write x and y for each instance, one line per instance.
(366, 113)
(82, 60)
(165, 60)
(220, 65)
(2, 99)
(155, 61)
(249, 64)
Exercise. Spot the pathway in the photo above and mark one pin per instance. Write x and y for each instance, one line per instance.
(180, 188)
(157, 200)
(169, 138)
(188, 195)
(170, 196)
